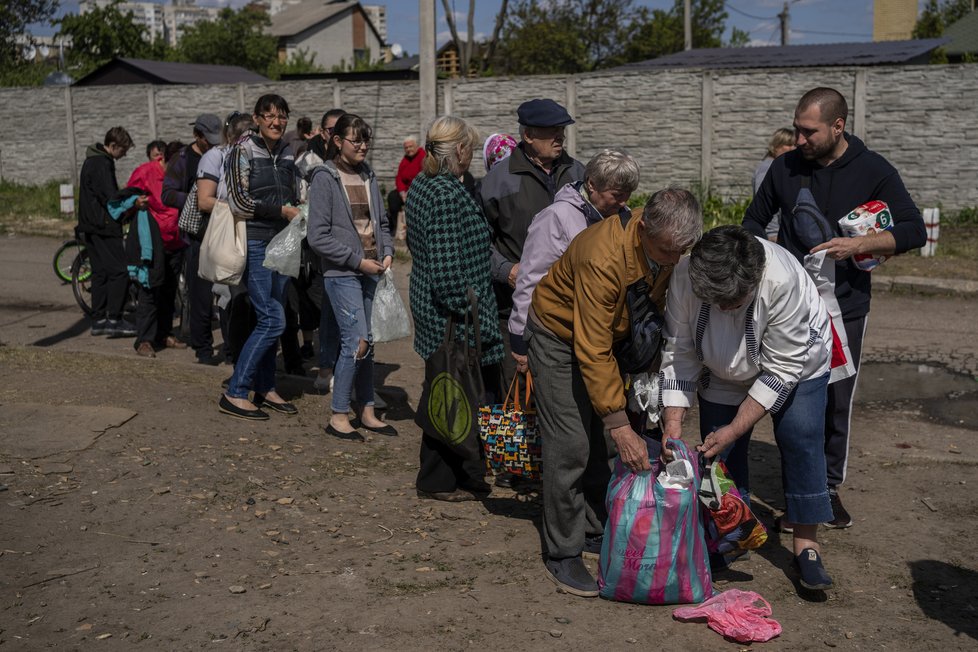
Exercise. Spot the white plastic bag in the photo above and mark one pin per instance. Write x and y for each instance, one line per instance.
(389, 319)
(284, 251)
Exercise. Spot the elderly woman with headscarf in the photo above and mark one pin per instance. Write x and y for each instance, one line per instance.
(748, 335)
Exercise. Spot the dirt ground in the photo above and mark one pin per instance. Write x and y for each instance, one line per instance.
(136, 516)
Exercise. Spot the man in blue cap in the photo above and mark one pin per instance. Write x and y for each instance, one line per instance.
(514, 191)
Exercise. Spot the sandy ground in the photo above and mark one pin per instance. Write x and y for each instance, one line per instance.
(137, 516)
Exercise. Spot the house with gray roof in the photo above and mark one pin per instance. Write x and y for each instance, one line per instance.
(337, 32)
(145, 71)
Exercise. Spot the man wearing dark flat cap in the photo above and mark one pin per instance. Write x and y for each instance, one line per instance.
(515, 190)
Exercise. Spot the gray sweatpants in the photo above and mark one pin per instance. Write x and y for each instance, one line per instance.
(577, 451)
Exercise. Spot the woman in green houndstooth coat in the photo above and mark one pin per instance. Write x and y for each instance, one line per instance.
(449, 241)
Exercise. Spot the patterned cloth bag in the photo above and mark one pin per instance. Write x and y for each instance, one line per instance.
(509, 433)
(731, 527)
(654, 551)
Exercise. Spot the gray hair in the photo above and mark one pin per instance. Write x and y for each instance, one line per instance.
(726, 265)
(674, 213)
(410, 138)
(612, 169)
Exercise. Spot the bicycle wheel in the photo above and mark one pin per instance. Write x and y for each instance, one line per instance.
(65, 256)
(81, 282)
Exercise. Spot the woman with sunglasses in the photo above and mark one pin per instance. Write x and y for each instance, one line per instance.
(261, 186)
(348, 229)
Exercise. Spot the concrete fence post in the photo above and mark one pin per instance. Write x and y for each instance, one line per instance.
(337, 95)
(151, 99)
(859, 106)
(571, 141)
(73, 154)
(706, 147)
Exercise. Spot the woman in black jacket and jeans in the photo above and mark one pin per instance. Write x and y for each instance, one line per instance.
(261, 185)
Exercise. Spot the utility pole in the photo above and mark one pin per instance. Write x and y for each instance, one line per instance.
(426, 68)
(687, 26)
(784, 17)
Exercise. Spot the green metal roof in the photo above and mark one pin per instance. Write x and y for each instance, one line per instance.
(963, 35)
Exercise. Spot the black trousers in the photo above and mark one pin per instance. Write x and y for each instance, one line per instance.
(201, 299)
(154, 314)
(838, 409)
(241, 320)
(110, 276)
(441, 469)
(394, 206)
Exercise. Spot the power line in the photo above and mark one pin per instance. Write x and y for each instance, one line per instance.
(744, 13)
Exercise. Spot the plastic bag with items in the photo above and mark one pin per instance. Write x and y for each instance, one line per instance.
(389, 319)
(284, 251)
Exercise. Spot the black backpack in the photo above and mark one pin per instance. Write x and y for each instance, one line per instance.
(636, 353)
(808, 225)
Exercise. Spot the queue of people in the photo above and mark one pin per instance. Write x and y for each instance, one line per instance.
(572, 286)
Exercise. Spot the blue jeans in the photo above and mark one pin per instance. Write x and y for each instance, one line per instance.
(255, 367)
(800, 434)
(352, 298)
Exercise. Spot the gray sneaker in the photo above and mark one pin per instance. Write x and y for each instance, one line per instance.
(572, 576)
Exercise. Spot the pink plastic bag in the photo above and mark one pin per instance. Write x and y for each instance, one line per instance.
(735, 614)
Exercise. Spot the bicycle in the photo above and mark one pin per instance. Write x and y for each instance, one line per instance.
(65, 256)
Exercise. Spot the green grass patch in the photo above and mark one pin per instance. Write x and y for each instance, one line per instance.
(19, 200)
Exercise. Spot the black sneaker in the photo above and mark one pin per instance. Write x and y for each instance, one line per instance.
(101, 327)
(120, 328)
(840, 517)
(572, 576)
(592, 546)
(812, 573)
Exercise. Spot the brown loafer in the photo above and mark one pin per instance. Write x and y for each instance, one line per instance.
(145, 349)
(173, 343)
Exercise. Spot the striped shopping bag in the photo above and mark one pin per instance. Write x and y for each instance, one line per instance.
(654, 548)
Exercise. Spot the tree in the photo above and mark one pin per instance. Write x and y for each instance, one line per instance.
(936, 16)
(465, 48)
(100, 35)
(234, 39)
(661, 32)
(15, 16)
(299, 63)
(564, 36)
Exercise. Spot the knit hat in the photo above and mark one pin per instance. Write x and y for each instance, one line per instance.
(497, 148)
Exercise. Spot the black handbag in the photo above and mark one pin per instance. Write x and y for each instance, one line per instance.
(453, 388)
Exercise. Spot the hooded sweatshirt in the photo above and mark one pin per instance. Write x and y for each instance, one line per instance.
(548, 237)
(97, 185)
(858, 176)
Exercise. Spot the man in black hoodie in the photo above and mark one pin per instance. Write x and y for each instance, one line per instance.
(103, 235)
(841, 174)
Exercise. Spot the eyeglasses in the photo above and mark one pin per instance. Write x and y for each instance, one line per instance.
(358, 144)
(231, 116)
(272, 117)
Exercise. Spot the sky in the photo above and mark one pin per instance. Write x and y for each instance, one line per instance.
(812, 21)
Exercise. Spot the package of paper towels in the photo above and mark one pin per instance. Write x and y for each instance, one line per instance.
(871, 217)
